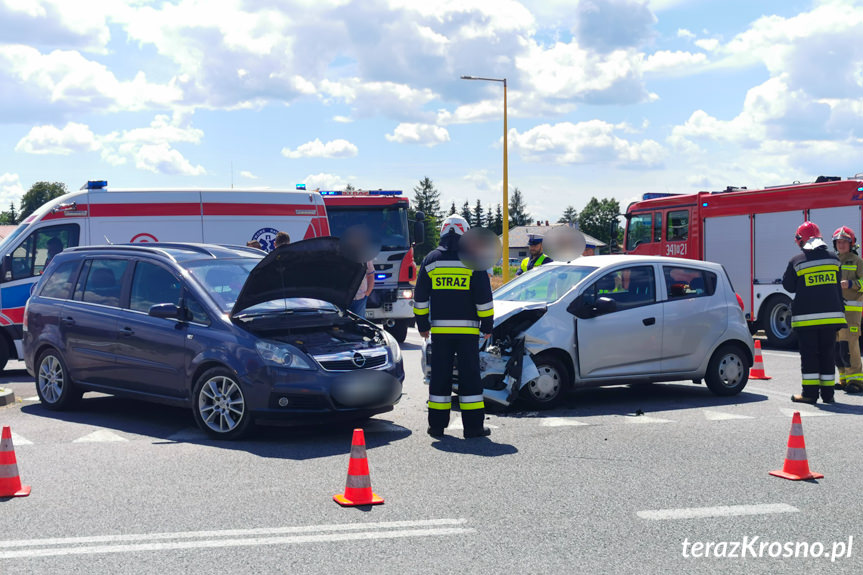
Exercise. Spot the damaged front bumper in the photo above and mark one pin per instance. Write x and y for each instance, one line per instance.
(503, 375)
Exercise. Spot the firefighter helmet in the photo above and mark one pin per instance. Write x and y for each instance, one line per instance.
(805, 232)
(455, 223)
(844, 233)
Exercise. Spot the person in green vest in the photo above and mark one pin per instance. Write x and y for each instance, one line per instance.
(536, 258)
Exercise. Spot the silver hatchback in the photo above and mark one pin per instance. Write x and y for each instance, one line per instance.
(611, 320)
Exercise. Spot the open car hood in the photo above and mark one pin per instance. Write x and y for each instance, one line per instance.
(317, 268)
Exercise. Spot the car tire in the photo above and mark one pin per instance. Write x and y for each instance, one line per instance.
(219, 405)
(53, 384)
(399, 330)
(727, 371)
(546, 391)
(776, 321)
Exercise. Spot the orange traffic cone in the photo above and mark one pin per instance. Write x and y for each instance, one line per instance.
(796, 465)
(358, 489)
(757, 370)
(10, 483)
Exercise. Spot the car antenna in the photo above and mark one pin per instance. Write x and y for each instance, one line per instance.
(110, 243)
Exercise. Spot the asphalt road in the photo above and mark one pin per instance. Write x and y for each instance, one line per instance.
(127, 487)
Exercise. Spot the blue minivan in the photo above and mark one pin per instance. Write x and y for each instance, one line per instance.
(238, 335)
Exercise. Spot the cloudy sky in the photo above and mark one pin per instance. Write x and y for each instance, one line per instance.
(610, 98)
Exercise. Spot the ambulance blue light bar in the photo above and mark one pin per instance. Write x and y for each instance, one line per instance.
(654, 195)
(301, 186)
(361, 193)
(96, 184)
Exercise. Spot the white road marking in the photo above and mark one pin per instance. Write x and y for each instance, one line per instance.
(102, 435)
(722, 416)
(231, 538)
(456, 424)
(19, 440)
(803, 413)
(721, 511)
(632, 418)
(32, 398)
(560, 422)
(789, 354)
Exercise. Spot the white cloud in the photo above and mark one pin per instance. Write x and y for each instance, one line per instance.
(342, 119)
(316, 149)
(684, 33)
(591, 142)
(73, 137)
(665, 61)
(162, 159)
(324, 181)
(423, 134)
(80, 24)
(367, 99)
(248, 174)
(11, 190)
(608, 25)
(707, 44)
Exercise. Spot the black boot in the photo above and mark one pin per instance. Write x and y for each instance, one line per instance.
(484, 432)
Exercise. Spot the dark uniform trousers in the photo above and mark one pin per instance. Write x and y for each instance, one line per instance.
(444, 349)
(816, 361)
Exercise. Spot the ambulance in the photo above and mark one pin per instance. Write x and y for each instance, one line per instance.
(97, 215)
(385, 214)
(750, 232)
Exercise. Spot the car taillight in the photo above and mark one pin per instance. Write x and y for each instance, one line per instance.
(740, 302)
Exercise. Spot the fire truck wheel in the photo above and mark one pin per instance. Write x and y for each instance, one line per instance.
(399, 330)
(777, 321)
(728, 370)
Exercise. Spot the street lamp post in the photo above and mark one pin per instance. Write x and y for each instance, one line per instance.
(505, 247)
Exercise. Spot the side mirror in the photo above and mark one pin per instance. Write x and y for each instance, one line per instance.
(605, 305)
(6, 269)
(580, 309)
(167, 311)
(420, 228)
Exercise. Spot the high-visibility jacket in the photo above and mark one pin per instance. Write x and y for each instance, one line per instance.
(814, 279)
(851, 266)
(529, 263)
(449, 297)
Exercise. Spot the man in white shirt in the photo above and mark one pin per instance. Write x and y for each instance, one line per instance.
(366, 286)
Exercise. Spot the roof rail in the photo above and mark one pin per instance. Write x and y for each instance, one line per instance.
(158, 247)
(241, 247)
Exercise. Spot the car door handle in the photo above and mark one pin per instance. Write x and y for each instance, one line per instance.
(649, 321)
(127, 331)
(67, 321)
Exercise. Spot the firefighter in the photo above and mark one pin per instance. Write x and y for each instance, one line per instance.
(454, 303)
(816, 312)
(536, 258)
(848, 346)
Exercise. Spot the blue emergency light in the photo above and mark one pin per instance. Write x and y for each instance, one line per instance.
(381, 276)
(301, 186)
(860, 189)
(704, 205)
(360, 193)
(97, 184)
(385, 193)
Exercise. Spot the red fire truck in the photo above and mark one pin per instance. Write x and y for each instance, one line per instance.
(385, 214)
(750, 232)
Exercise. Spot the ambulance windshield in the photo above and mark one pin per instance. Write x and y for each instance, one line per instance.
(388, 225)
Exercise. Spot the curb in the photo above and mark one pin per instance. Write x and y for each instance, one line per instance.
(7, 397)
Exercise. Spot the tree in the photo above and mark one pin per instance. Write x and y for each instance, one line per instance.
(38, 194)
(350, 188)
(489, 217)
(570, 216)
(598, 217)
(497, 222)
(427, 199)
(518, 215)
(466, 213)
(452, 209)
(9, 218)
(478, 215)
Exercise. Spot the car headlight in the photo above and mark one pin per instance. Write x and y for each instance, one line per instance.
(393, 347)
(406, 294)
(282, 355)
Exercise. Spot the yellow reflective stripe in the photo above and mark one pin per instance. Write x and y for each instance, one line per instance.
(471, 406)
(853, 329)
(811, 322)
(421, 311)
(485, 313)
(456, 330)
(440, 406)
(811, 382)
(849, 267)
(815, 269)
(854, 307)
(524, 263)
(853, 376)
(827, 383)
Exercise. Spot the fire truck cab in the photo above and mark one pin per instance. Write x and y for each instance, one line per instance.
(750, 232)
(385, 214)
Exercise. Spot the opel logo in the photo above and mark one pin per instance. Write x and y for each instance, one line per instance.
(359, 359)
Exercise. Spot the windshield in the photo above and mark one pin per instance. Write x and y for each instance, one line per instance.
(543, 285)
(387, 224)
(223, 279)
(7, 242)
(638, 230)
(291, 305)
